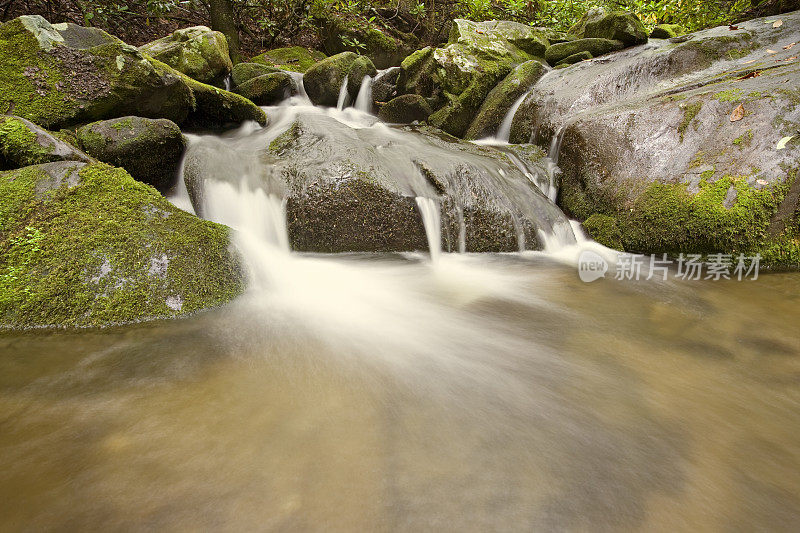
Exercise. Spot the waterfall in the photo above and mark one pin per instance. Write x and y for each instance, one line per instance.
(364, 98)
(344, 97)
(300, 88)
(431, 219)
(228, 82)
(504, 131)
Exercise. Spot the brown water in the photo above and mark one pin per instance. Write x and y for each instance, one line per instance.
(499, 394)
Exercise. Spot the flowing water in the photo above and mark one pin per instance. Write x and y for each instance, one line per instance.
(411, 392)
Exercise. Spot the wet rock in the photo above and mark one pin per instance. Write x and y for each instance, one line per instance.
(149, 149)
(574, 58)
(64, 74)
(724, 186)
(354, 189)
(323, 80)
(503, 96)
(243, 72)
(666, 31)
(360, 68)
(78, 243)
(457, 78)
(405, 109)
(268, 89)
(198, 52)
(23, 143)
(615, 25)
(594, 46)
(293, 58)
(385, 86)
(216, 108)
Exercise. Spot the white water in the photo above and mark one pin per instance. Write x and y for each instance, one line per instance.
(364, 98)
(344, 96)
(431, 219)
(504, 131)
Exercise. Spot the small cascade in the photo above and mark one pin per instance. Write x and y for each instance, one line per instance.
(228, 82)
(364, 98)
(344, 96)
(431, 219)
(300, 88)
(179, 195)
(462, 231)
(504, 131)
(563, 235)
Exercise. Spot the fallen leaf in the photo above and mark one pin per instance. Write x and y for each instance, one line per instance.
(791, 58)
(771, 52)
(789, 46)
(748, 62)
(761, 182)
(750, 75)
(778, 23)
(738, 113)
(733, 28)
(782, 143)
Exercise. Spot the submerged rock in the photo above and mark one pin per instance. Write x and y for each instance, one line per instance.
(87, 245)
(405, 109)
(149, 149)
(354, 189)
(268, 89)
(293, 58)
(503, 96)
(655, 138)
(198, 52)
(23, 143)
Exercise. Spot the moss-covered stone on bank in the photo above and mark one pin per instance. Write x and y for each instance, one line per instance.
(87, 245)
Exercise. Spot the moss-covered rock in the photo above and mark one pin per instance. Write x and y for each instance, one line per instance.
(405, 109)
(360, 68)
(499, 38)
(604, 229)
(324, 80)
(23, 143)
(64, 74)
(574, 58)
(457, 115)
(268, 89)
(667, 31)
(149, 149)
(595, 47)
(384, 46)
(198, 52)
(615, 25)
(503, 96)
(243, 72)
(385, 86)
(216, 107)
(294, 58)
(87, 245)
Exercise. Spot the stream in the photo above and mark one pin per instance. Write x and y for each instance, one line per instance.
(420, 391)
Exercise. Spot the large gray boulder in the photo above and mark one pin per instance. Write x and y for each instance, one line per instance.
(23, 143)
(86, 245)
(149, 149)
(355, 189)
(199, 52)
(59, 75)
(616, 25)
(690, 146)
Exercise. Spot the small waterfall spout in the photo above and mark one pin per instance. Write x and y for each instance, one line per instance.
(504, 131)
(431, 219)
(364, 98)
(344, 97)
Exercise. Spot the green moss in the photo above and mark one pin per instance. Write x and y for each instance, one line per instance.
(105, 249)
(729, 95)
(294, 58)
(604, 229)
(690, 111)
(18, 144)
(744, 139)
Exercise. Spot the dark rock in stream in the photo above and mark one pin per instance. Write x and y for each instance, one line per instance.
(680, 142)
(353, 189)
